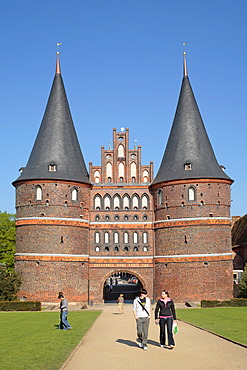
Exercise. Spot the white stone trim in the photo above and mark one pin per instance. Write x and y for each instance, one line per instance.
(196, 255)
(53, 218)
(193, 219)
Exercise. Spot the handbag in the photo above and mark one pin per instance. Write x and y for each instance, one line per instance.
(175, 328)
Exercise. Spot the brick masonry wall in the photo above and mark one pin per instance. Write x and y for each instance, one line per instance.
(194, 281)
(43, 281)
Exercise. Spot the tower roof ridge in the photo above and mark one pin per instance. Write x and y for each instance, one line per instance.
(56, 143)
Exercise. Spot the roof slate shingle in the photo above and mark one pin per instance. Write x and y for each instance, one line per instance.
(188, 143)
(56, 143)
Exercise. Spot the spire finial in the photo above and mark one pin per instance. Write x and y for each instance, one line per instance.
(58, 69)
(185, 61)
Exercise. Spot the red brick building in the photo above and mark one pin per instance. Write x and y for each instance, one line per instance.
(75, 229)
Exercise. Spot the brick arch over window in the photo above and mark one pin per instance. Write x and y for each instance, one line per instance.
(116, 201)
(126, 201)
(191, 193)
(74, 194)
(135, 201)
(97, 201)
(145, 201)
(38, 192)
(107, 201)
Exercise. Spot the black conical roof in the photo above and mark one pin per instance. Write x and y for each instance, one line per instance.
(188, 144)
(56, 142)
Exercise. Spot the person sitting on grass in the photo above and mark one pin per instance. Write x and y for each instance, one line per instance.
(64, 308)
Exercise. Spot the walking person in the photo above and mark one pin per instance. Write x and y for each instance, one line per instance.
(141, 310)
(165, 315)
(120, 302)
(64, 308)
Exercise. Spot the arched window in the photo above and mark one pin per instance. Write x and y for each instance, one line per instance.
(97, 238)
(126, 202)
(121, 170)
(109, 171)
(106, 238)
(160, 197)
(145, 201)
(38, 193)
(97, 249)
(107, 202)
(96, 176)
(192, 193)
(133, 170)
(145, 176)
(145, 238)
(126, 237)
(135, 237)
(135, 202)
(116, 237)
(116, 202)
(74, 195)
(135, 249)
(121, 151)
(97, 202)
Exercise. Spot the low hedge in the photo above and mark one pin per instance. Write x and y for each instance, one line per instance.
(236, 302)
(20, 306)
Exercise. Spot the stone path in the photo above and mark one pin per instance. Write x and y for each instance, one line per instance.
(110, 344)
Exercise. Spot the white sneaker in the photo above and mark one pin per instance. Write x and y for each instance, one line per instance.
(162, 346)
(145, 348)
(139, 344)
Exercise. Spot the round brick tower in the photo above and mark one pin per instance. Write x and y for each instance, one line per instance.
(193, 257)
(52, 207)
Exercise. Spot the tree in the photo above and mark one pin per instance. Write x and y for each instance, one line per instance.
(243, 284)
(7, 241)
(9, 285)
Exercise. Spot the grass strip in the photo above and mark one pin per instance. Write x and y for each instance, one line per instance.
(229, 322)
(30, 340)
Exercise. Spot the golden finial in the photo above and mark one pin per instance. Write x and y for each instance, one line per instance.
(185, 61)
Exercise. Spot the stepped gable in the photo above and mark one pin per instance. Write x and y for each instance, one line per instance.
(188, 154)
(56, 143)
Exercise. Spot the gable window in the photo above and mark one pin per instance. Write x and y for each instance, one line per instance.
(121, 151)
(160, 197)
(96, 176)
(52, 167)
(121, 171)
(188, 166)
(109, 170)
(133, 170)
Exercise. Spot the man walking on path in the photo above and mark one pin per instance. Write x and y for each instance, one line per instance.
(141, 310)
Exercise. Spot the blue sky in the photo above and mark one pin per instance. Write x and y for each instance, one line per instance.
(121, 62)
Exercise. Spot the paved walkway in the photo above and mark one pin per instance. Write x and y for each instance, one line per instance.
(110, 344)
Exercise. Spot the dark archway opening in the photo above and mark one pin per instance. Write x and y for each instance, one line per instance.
(121, 283)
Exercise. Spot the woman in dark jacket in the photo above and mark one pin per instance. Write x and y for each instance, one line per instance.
(164, 316)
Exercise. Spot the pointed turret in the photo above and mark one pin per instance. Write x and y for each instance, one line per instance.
(188, 154)
(56, 153)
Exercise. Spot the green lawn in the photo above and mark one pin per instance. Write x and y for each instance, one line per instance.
(30, 340)
(230, 322)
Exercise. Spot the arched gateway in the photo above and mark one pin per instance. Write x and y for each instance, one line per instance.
(122, 282)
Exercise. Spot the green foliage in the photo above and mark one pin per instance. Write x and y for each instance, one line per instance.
(31, 341)
(229, 322)
(7, 240)
(236, 302)
(243, 284)
(9, 285)
(20, 306)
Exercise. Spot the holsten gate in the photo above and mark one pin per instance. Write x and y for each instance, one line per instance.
(75, 227)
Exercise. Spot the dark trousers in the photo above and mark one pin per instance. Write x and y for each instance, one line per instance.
(142, 325)
(163, 324)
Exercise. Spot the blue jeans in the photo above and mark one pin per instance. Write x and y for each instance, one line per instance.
(167, 322)
(63, 321)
